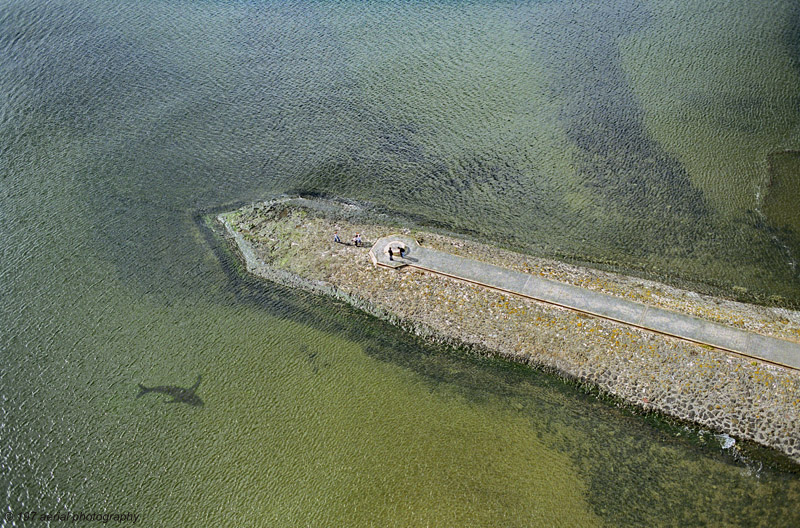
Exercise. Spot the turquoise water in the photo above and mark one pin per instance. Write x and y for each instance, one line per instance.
(630, 135)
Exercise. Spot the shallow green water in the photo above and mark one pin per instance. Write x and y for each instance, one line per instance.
(559, 128)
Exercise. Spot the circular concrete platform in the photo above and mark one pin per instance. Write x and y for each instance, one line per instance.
(380, 251)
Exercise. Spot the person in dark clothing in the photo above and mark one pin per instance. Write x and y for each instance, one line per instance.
(390, 253)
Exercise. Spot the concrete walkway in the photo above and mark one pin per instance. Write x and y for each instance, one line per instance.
(675, 324)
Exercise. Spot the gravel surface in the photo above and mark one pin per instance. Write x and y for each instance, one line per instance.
(291, 242)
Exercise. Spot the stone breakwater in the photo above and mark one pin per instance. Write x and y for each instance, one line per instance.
(291, 242)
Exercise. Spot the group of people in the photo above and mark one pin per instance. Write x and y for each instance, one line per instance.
(399, 251)
(358, 242)
(356, 239)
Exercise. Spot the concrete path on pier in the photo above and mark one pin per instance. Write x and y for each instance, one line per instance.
(659, 320)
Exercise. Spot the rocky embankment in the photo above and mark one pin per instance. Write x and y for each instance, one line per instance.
(291, 242)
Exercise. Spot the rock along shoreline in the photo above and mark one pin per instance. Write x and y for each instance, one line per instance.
(290, 241)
